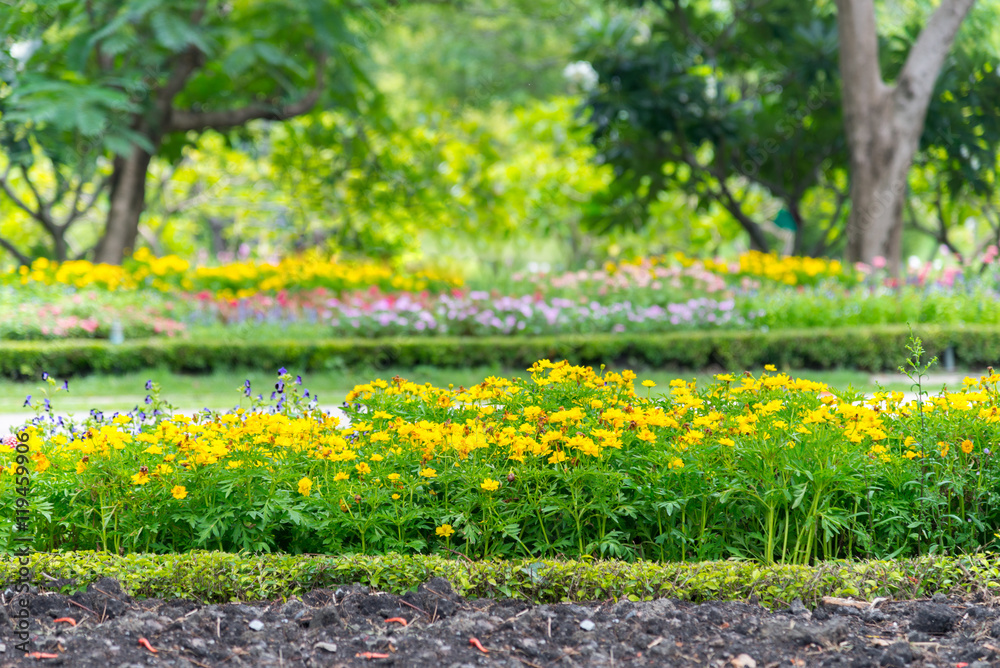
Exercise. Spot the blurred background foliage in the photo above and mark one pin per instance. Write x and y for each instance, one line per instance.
(501, 133)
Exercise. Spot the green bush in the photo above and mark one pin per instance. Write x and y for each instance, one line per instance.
(866, 348)
(221, 577)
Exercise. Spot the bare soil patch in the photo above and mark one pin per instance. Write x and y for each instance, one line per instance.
(356, 626)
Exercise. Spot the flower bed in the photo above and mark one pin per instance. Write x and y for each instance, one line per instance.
(572, 462)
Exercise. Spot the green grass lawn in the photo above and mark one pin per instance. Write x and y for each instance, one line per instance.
(224, 389)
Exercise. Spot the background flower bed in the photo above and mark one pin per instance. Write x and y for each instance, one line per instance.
(309, 298)
(571, 462)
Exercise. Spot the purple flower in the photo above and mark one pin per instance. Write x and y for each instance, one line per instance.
(149, 399)
(282, 371)
(45, 376)
(27, 402)
(149, 385)
(66, 385)
(298, 380)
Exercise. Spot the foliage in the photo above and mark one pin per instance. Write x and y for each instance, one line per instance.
(697, 97)
(569, 462)
(82, 93)
(217, 577)
(871, 348)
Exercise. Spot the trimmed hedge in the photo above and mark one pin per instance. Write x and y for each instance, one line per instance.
(865, 348)
(223, 577)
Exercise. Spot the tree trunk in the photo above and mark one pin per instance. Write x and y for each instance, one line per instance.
(880, 164)
(883, 123)
(128, 199)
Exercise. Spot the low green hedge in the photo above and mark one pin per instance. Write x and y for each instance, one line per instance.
(866, 348)
(223, 577)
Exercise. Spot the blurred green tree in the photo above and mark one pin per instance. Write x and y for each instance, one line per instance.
(128, 80)
(697, 96)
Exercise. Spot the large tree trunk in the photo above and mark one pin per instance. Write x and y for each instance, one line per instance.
(881, 155)
(883, 123)
(128, 199)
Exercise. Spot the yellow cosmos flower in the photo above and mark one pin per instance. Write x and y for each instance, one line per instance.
(140, 478)
(395, 497)
(770, 367)
(967, 446)
(648, 383)
(179, 491)
(675, 463)
(944, 448)
(304, 486)
(445, 530)
(489, 485)
(341, 476)
(80, 467)
(428, 473)
(363, 468)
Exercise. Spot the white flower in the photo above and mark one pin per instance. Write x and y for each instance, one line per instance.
(581, 75)
(21, 51)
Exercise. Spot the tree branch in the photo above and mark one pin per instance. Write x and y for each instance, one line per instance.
(21, 257)
(18, 202)
(75, 213)
(43, 216)
(182, 120)
(916, 80)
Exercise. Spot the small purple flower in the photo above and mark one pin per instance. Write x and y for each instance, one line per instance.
(27, 402)
(282, 371)
(298, 380)
(45, 375)
(66, 385)
(48, 406)
(149, 385)
(149, 399)
(306, 394)
(273, 394)
(280, 386)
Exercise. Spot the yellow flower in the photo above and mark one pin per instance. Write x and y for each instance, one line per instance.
(557, 457)
(967, 446)
(41, 462)
(648, 383)
(393, 476)
(140, 479)
(428, 473)
(770, 367)
(909, 441)
(363, 468)
(340, 476)
(727, 441)
(675, 463)
(395, 497)
(304, 486)
(80, 467)
(179, 492)
(445, 530)
(489, 485)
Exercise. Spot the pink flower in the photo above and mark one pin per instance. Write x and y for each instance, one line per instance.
(878, 262)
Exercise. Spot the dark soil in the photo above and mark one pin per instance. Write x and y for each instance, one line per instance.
(338, 628)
